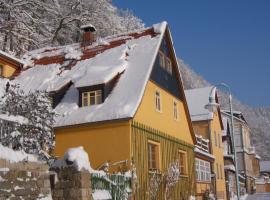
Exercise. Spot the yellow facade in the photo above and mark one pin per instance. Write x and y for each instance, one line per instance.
(217, 150)
(110, 141)
(7, 69)
(164, 120)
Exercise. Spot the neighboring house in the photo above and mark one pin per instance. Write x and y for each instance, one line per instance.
(122, 99)
(229, 164)
(263, 183)
(9, 65)
(246, 154)
(209, 126)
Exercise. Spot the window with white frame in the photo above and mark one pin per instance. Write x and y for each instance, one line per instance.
(168, 65)
(91, 98)
(203, 170)
(161, 59)
(175, 110)
(158, 101)
(153, 155)
(183, 162)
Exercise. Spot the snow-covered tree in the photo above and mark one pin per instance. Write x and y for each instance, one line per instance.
(37, 134)
(154, 184)
(31, 24)
(171, 176)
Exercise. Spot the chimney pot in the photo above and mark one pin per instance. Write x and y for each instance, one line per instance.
(88, 35)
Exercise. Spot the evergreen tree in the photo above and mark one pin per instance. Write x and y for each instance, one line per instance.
(35, 135)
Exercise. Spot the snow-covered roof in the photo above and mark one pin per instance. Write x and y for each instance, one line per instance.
(2, 53)
(197, 150)
(197, 99)
(265, 166)
(131, 54)
(229, 167)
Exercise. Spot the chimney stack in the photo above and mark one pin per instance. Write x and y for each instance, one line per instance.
(89, 34)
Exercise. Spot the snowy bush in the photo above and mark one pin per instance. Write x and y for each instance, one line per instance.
(37, 135)
(172, 176)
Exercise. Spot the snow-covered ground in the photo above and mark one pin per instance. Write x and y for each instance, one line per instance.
(15, 156)
(259, 196)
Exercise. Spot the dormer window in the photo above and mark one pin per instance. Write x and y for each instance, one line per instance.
(91, 98)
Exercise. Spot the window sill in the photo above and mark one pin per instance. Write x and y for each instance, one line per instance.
(184, 175)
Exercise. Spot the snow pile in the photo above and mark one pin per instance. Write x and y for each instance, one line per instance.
(192, 198)
(101, 195)
(159, 28)
(3, 82)
(75, 157)
(15, 156)
(71, 53)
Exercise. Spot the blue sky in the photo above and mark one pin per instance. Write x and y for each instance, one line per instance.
(224, 41)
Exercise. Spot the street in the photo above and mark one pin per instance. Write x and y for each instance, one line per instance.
(259, 196)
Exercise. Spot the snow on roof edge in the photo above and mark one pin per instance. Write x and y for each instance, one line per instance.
(11, 57)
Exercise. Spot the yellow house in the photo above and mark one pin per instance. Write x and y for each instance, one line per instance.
(9, 65)
(122, 99)
(207, 126)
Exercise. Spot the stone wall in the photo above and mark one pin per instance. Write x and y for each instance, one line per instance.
(24, 180)
(69, 184)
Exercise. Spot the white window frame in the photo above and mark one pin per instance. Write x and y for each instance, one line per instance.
(97, 96)
(162, 59)
(203, 170)
(156, 145)
(158, 105)
(168, 65)
(175, 110)
(185, 165)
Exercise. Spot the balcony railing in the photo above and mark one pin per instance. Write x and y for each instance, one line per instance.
(202, 144)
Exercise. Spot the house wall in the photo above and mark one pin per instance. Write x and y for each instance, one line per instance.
(217, 150)
(103, 142)
(163, 121)
(8, 69)
(169, 148)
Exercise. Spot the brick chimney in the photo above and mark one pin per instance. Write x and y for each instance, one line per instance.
(89, 34)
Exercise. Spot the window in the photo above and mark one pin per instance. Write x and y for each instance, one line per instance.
(215, 135)
(168, 65)
(162, 60)
(183, 162)
(217, 171)
(153, 155)
(219, 141)
(221, 172)
(158, 101)
(203, 171)
(1, 70)
(175, 110)
(91, 98)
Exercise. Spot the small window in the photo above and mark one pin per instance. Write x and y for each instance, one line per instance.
(175, 110)
(203, 170)
(221, 170)
(215, 135)
(1, 70)
(168, 65)
(153, 155)
(158, 101)
(183, 162)
(91, 98)
(219, 141)
(217, 170)
(162, 60)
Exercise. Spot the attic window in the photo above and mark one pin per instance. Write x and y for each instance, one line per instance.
(165, 62)
(91, 98)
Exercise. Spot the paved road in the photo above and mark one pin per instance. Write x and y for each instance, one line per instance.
(259, 196)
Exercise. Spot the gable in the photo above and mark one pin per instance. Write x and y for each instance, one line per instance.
(161, 75)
